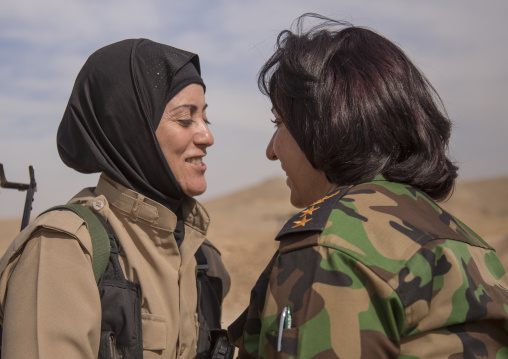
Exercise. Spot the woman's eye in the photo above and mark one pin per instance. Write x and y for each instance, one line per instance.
(276, 122)
(185, 123)
(207, 122)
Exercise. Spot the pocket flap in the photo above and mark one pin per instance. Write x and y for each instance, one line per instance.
(154, 331)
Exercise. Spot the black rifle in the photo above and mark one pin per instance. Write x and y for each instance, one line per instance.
(30, 189)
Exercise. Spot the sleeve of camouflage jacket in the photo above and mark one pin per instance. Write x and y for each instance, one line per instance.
(52, 306)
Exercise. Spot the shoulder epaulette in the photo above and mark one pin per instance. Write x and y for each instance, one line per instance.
(314, 217)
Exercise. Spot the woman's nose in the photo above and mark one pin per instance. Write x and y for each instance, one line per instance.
(204, 136)
(270, 153)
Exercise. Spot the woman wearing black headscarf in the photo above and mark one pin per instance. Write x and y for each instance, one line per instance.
(136, 115)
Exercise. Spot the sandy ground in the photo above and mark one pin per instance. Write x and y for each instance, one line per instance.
(244, 224)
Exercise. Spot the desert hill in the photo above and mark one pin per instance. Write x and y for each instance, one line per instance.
(244, 224)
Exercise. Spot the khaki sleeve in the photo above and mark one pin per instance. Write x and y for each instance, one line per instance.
(52, 305)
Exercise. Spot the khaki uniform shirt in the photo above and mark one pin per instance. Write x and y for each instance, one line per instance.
(49, 301)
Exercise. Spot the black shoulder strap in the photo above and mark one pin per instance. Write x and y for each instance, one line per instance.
(98, 234)
(201, 260)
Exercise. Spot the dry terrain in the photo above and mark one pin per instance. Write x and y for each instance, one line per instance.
(244, 225)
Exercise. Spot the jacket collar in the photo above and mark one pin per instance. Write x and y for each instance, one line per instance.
(140, 208)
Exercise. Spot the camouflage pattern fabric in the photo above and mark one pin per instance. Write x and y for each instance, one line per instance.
(377, 270)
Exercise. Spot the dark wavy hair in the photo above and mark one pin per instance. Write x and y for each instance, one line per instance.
(358, 107)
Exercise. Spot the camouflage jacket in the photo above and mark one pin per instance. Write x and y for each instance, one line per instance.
(377, 270)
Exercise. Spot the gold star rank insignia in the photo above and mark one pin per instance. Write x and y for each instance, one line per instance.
(309, 211)
(315, 217)
(318, 202)
(302, 222)
(325, 198)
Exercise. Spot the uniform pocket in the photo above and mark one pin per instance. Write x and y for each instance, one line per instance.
(154, 331)
(288, 343)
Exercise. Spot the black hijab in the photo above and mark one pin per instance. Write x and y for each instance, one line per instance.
(116, 104)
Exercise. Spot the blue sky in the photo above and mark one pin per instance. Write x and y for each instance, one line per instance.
(461, 46)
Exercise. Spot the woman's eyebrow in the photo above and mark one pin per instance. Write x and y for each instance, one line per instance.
(191, 107)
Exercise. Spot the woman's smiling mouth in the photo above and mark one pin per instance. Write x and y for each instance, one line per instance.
(195, 161)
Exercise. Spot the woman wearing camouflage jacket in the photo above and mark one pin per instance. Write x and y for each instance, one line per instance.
(371, 267)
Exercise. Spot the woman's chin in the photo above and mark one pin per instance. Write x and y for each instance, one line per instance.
(296, 201)
(194, 191)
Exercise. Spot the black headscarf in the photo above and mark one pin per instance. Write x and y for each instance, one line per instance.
(114, 109)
